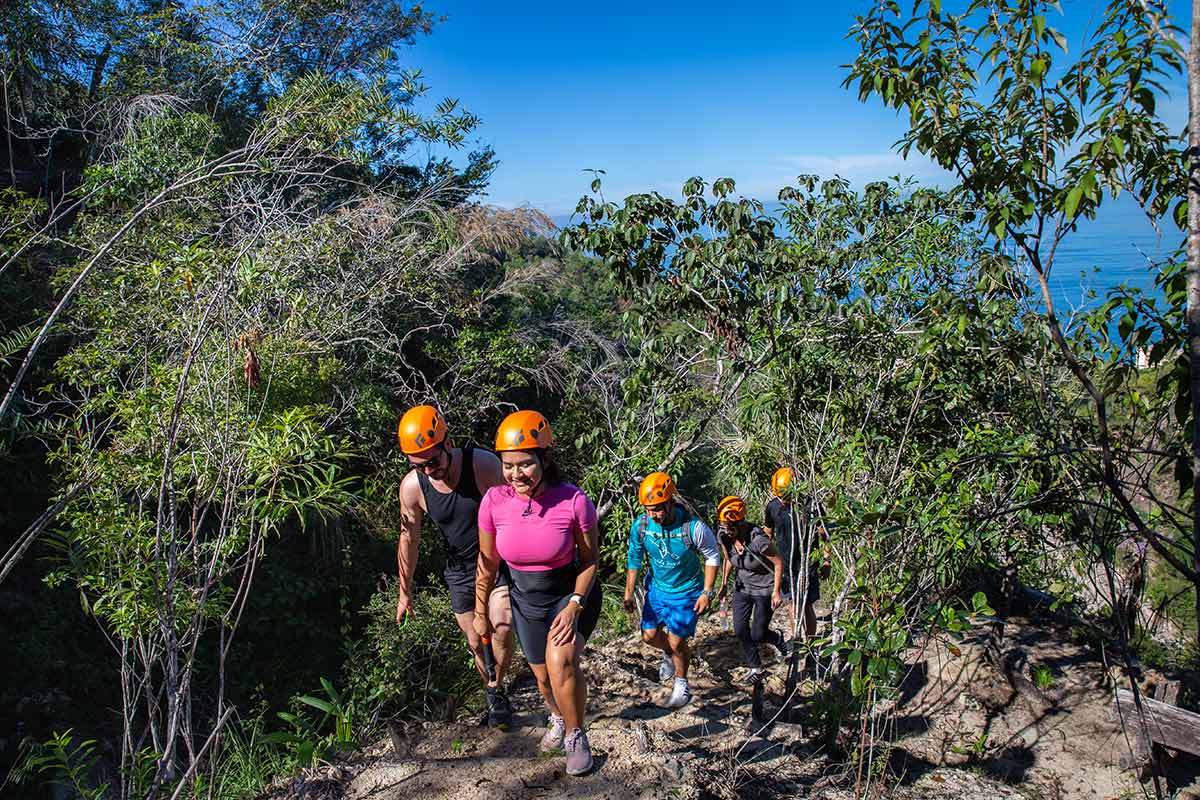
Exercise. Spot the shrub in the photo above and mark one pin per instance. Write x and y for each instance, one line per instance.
(411, 670)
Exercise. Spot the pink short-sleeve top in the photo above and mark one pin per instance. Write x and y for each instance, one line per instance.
(543, 538)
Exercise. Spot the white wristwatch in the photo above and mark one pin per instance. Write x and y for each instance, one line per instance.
(577, 599)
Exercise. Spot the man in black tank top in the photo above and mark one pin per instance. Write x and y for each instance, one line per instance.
(447, 483)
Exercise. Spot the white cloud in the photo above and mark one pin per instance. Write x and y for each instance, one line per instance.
(860, 168)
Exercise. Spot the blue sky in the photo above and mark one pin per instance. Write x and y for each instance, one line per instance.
(655, 92)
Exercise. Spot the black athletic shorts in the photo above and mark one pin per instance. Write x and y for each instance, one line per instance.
(460, 580)
(538, 597)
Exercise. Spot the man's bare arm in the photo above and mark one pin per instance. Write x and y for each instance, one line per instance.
(411, 511)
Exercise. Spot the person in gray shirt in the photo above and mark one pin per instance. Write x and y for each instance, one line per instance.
(757, 581)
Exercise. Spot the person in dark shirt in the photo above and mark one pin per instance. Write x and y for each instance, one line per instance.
(447, 483)
(790, 525)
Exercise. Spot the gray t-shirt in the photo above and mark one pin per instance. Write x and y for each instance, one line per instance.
(753, 571)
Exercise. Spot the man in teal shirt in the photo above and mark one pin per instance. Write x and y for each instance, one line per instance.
(683, 559)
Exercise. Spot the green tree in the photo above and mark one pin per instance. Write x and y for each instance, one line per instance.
(847, 339)
(1038, 139)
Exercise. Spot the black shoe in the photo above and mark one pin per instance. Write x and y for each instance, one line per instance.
(499, 713)
(785, 647)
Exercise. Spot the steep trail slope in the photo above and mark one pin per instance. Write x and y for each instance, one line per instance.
(964, 729)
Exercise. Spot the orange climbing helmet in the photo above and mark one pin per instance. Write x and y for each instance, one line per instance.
(421, 428)
(524, 430)
(781, 480)
(657, 487)
(731, 509)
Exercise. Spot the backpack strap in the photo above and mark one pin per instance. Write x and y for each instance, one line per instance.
(691, 536)
(643, 526)
(765, 564)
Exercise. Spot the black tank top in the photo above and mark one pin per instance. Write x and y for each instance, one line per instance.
(456, 514)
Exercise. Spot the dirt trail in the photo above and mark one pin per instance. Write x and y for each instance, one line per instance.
(964, 729)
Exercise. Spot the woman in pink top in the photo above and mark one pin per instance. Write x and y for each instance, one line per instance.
(545, 531)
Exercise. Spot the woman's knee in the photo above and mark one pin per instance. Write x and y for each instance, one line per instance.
(649, 635)
(560, 660)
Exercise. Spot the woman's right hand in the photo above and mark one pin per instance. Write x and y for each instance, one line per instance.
(482, 625)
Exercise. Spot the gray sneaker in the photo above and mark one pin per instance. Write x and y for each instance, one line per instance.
(666, 668)
(552, 739)
(579, 753)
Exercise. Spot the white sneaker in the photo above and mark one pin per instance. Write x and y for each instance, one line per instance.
(552, 739)
(755, 675)
(666, 668)
(681, 696)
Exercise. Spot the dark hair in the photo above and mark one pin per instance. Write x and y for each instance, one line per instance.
(551, 474)
(739, 530)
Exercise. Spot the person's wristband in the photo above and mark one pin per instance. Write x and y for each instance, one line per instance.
(709, 593)
(577, 599)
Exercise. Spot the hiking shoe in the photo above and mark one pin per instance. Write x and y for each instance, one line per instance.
(755, 675)
(499, 710)
(681, 696)
(666, 669)
(579, 752)
(552, 739)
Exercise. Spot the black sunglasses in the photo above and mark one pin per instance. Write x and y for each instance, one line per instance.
(431, 463)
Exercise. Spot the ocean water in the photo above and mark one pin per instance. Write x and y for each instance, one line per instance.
(1120, 246)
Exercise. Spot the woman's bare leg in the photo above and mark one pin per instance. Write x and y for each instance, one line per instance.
(567, 680)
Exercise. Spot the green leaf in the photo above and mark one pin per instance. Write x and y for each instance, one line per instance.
(979, 604)
(1037, 68)
(1072, 203)
(316, 702)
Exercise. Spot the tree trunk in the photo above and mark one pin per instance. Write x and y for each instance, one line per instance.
(1193, 276)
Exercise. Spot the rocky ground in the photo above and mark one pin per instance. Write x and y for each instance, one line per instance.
(962, 729)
